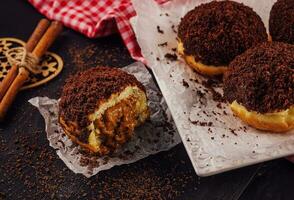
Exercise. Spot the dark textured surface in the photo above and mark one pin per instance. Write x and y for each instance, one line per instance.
(30, 169)
(274, 181)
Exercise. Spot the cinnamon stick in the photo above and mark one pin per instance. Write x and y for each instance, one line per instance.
(22, 76)
(47, 39)
(45, 42)
(6, 82)
(37, 34)
(31, 44)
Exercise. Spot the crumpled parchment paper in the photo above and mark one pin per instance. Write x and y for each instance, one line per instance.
(158, 134)
(215, 140)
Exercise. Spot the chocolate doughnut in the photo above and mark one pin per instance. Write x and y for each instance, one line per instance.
(215, 33)
(100, 107)
(281, 23)
(261, 82)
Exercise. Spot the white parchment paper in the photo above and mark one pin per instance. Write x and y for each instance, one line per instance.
(215, 140)
(158, 134)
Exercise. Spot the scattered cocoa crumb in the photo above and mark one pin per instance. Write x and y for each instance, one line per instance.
(171, 56)
(162, 44)
(185, 84)
(159, 30)
(200, 94)
(219, 105)
(174, 29)
(233, 131)
(197, 122)
(210, 83)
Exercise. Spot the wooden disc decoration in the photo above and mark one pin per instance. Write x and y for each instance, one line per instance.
(51, 64)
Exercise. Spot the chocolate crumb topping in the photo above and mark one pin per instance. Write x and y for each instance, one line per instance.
(281, 23)
(83, 91)
(216, 32)
(262, 79)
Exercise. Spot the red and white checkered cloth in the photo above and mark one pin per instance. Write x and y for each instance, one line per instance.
(95, 18)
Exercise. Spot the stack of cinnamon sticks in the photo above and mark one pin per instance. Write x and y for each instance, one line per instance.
(41, 39)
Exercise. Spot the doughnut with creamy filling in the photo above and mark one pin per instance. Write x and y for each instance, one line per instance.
(259, 84)
(100, 108)
(211, 35)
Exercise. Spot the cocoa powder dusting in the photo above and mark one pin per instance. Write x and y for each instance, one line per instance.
(51, 177)
(101, 54)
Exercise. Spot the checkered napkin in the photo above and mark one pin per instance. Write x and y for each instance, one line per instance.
(95, 18)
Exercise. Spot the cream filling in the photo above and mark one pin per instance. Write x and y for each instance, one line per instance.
(285, 117)
(141, 107)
